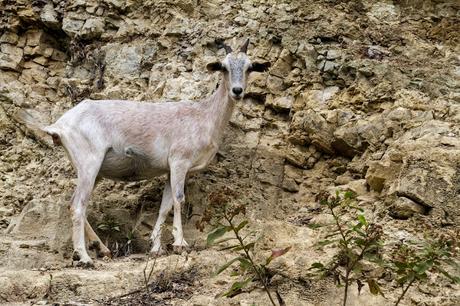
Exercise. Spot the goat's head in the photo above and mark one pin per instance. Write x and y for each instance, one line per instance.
(235, 68)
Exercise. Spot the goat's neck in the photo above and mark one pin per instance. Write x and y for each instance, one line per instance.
(218, 109)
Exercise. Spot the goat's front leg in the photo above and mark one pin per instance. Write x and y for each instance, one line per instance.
(166, 205)
(178, 172)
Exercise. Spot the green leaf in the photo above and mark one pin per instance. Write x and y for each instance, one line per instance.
(422, 267)
(248, 247)
(102, 226)
(362, 219)
(349, 195)
(374, 287)
(316, 265)
(216, 233)
(452, 263)
(455, 279)
(357, 268)
(226, 265)
(244, 264)
(314, 225)
(237, 286)
(223, 240)
(325, 242)
(241, 225)
(235, 247)
(405, 278)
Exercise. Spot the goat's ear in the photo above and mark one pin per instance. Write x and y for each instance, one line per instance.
(259, 67)
(216, 66)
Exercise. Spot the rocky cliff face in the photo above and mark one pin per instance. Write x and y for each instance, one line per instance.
(361, 95)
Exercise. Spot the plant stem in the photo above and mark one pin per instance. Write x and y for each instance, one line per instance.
(339, 227)
(345, 293)
(404, 291)
(254, 267)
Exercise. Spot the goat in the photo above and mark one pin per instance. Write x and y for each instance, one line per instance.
(128, 140)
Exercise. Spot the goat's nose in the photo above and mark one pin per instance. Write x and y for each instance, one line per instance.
(237, 90)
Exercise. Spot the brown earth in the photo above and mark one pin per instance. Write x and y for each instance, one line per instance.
(361, 95)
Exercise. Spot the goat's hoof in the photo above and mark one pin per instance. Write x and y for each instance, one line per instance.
(105, 253)
(84, 264)
(179, 249)
(157, 253)
(82, 261)
(101, 249)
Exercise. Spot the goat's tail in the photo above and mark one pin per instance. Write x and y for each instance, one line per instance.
(35, 127)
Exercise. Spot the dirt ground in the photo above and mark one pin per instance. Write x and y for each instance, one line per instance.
(361, 96)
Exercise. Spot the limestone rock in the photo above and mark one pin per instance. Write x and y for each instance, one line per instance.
(283, 65)
(298, 156)
(404, 208)
(11, 57)
(92, 28)
(72, 25)
(280, 103)
(382, 173)
(9, 37)
(317, 128)
(49, 16)
(123, 60)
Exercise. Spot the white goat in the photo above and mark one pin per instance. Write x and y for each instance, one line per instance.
(127, 140)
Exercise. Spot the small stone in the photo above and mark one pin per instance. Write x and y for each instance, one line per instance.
(333, 54)
(399, 114)
(9, 37)
(58, 56)
(49, 16)
(93, 27)
(298, 156)
(290, 185)
(275, 84)
(329, 66)
(6, 211)
(404, 208)
(34, 37)
(10, 57)
(280, 103)
(311, 161)
(343, 179)
(72, 26)
(48, 52)
(379, 172)
(41, 60)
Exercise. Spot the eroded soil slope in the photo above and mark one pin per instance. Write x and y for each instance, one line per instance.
(361, 95)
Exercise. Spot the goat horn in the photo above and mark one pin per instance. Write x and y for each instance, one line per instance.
(227, 48)
(244, 47)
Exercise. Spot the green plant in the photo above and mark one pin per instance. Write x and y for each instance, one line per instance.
(49, 289)
(411, 261)
(147, 272)
(224, 219)
(109, 225)
(357, 241)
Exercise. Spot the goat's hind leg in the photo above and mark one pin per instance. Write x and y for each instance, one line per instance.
(87, 167)
(166, 205)
(93, 239)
